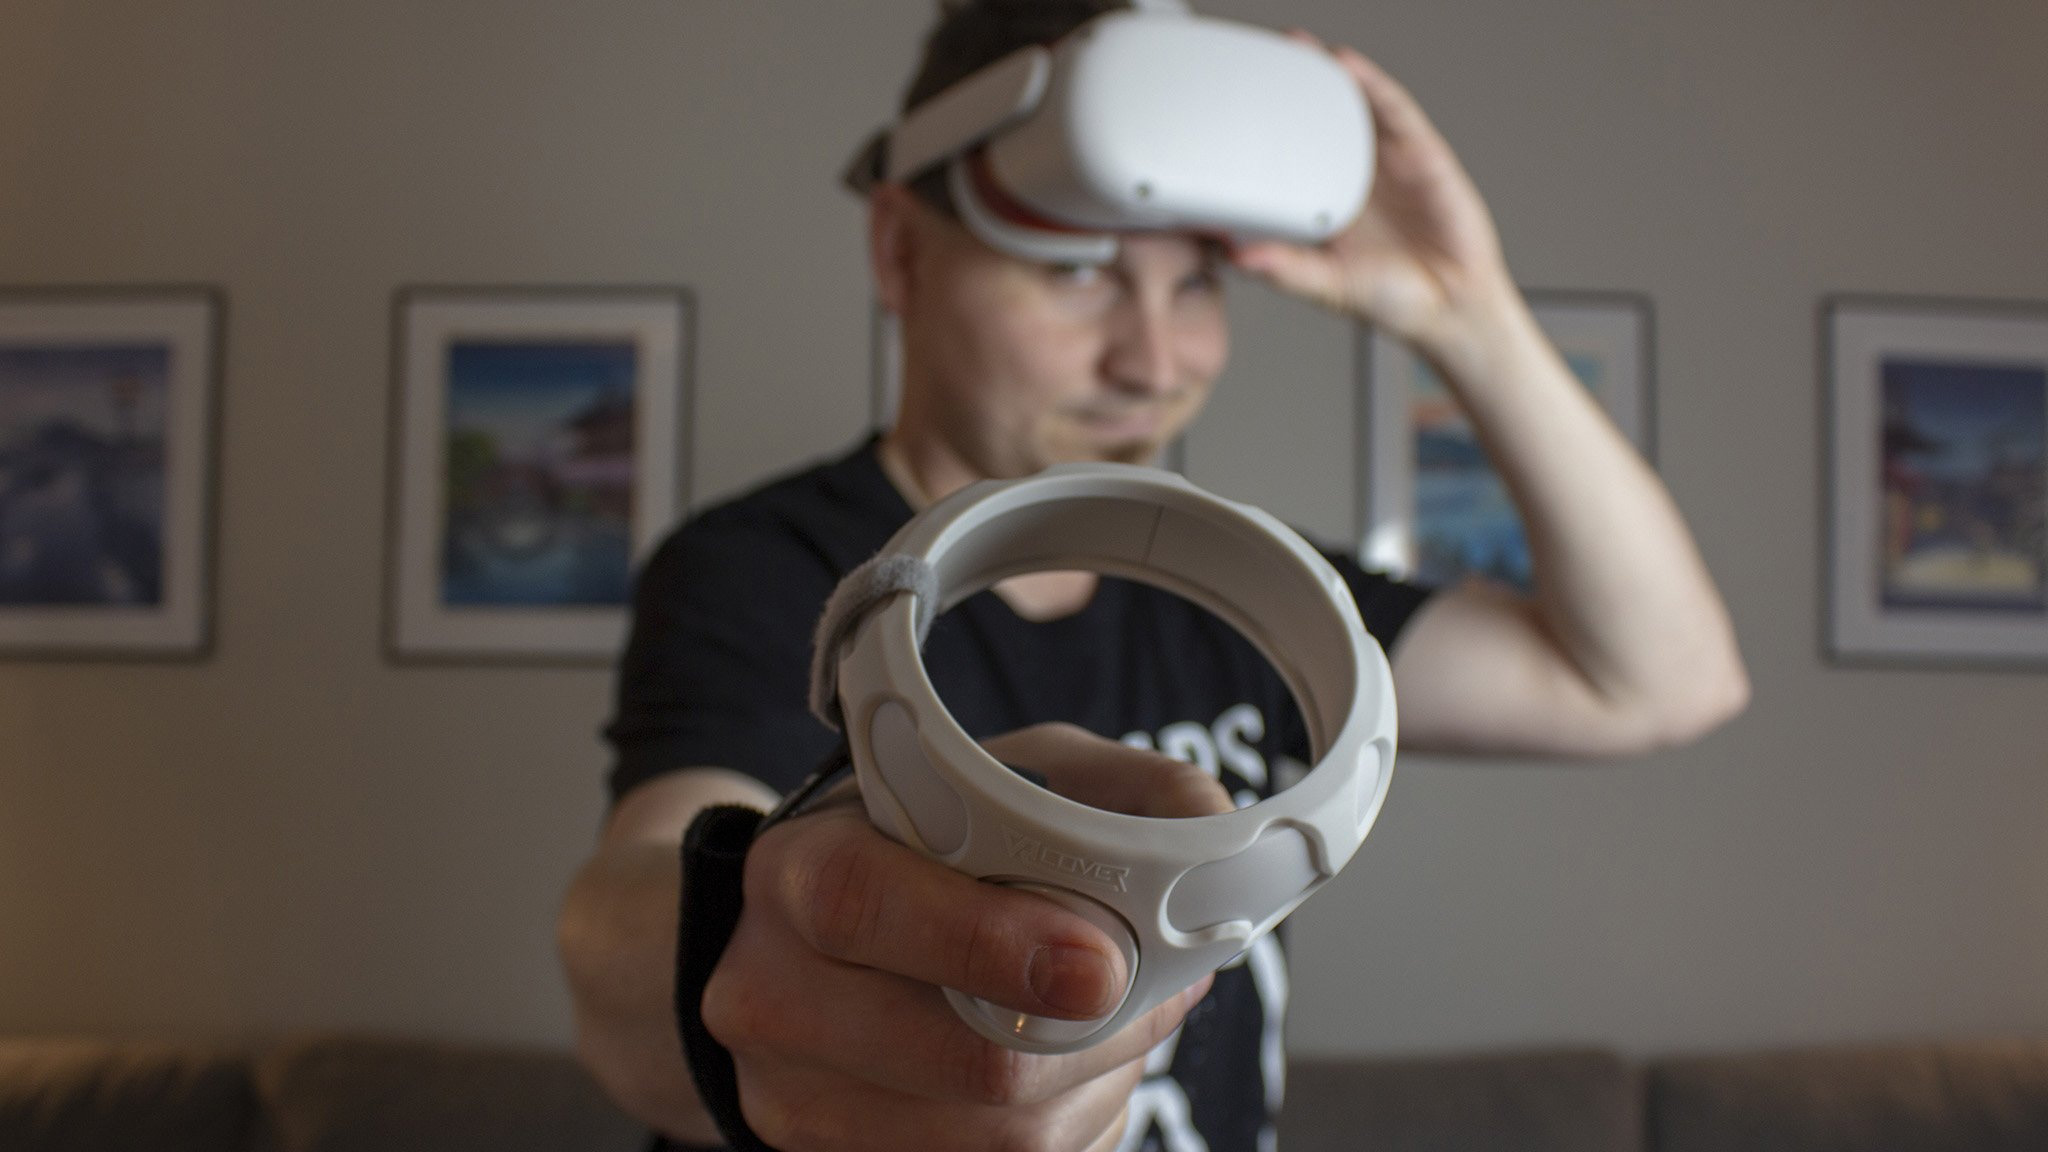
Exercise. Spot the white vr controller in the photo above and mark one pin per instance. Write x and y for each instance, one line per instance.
(1181, 897)
(1146, 119)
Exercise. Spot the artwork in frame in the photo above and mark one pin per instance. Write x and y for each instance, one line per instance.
(108, 422)
(1938, 432)
(542, 441)
(1433, 508)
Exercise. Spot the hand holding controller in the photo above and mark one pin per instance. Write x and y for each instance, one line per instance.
(1182, 896)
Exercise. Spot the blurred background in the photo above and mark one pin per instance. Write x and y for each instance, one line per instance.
(296, 833)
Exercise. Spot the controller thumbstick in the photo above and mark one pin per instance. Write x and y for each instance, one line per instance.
(1046, 1033)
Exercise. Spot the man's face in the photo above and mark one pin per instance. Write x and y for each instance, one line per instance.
(1015, 366)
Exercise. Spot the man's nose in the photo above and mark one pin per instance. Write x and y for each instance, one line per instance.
(1141, 353)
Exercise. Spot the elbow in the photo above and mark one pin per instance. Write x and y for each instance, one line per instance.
(1682, 703)
(1710, 696)
(1735, 693)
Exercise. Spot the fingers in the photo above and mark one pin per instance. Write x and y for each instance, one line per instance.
(1294, 268)
(1113, 776)
(903, 1036)
(1396, 112)
(857, 897)
(845, 935)
(828, 995)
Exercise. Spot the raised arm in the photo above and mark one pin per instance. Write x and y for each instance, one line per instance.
(1625, 645)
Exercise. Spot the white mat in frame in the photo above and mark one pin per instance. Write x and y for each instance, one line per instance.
(109, 414)
(526, 358)
(1937, 425)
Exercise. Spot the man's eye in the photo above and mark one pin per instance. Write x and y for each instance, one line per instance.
(1076, 275)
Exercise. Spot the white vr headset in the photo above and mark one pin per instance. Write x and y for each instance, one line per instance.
(1181, 897)
(1143, 120)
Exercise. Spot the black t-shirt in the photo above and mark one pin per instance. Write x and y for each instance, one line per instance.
(715, 675)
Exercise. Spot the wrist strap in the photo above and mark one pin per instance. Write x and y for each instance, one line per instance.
(714, 861)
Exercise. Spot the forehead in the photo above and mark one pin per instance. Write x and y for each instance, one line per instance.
(1190, 248)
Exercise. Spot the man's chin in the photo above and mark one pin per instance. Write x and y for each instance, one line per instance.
(1145, 452)
(1133, 452)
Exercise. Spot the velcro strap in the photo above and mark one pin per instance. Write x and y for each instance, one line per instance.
(883, 576)
(714, 864)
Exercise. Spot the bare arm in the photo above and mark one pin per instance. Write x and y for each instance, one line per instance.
(1625, 645)
(617, 937)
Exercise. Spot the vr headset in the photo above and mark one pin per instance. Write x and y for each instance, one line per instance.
(1148, 119)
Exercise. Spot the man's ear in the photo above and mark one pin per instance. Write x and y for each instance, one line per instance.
(892, 244)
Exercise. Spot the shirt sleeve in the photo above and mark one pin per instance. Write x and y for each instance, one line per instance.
(1384, 603)
(715, 668)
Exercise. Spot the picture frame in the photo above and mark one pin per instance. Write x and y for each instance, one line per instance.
(1431, 507)
(109, 423)
(541, 447)
(1937, 430)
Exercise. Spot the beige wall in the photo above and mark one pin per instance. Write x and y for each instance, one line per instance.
(296, 834)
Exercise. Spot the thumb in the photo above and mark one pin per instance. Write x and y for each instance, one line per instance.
(1310, 273)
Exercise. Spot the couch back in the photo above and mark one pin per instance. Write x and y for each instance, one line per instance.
(317, 1094)
(1561, 1101)
(1988, 1096)
(88, 1096)
(366, 1094)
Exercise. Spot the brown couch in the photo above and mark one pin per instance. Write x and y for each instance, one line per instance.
(319, 1094)
(1957, 1097)
(358, 1094)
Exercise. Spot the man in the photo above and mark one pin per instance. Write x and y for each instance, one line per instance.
(827, 994)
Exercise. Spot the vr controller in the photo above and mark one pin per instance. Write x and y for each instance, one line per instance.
(1180, 897)
(1146, 119)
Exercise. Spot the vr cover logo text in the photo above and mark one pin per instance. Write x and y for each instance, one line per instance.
(1032, 850)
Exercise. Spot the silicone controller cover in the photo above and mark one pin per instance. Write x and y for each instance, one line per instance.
(1181, 897)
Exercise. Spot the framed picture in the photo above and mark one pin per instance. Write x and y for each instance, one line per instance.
(1433, 509)
(1938, 421)
(108, 414)
(542, 448)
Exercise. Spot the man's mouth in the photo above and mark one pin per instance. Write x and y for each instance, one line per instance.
(1132, 421)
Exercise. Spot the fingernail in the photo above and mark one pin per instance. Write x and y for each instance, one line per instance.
(1070, 979)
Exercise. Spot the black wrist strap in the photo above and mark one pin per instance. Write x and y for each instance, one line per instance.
(714, 861)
